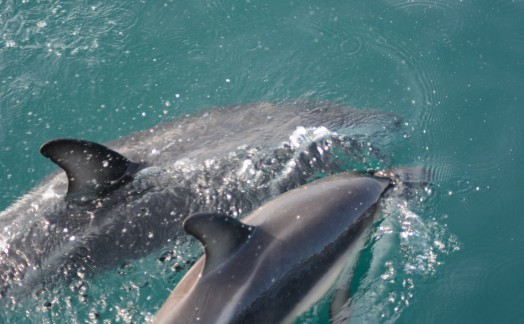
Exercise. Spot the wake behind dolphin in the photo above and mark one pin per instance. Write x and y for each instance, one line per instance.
(127, 200)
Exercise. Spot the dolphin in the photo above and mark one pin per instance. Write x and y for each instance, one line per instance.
(122, 200)
(281, 258)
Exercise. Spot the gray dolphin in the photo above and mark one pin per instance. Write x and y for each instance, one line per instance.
(280, 259)
(127, 198)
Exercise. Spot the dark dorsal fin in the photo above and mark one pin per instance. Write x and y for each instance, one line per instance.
(220, 235)
(92, 169)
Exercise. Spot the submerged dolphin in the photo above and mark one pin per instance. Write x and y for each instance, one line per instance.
(127, 200)
(280, 259)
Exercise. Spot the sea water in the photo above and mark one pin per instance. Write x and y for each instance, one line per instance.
(452, 69)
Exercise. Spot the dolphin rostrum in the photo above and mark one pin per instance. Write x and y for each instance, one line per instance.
(280, 259)
(126, 199)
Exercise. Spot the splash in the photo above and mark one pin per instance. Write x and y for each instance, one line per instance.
(408, 246)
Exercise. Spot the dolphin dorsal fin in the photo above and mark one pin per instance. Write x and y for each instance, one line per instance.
(220, 235)
(91, 168)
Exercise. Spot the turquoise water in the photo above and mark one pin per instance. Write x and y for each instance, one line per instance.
(454, 70)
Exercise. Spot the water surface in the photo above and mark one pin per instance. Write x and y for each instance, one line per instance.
(453, 70)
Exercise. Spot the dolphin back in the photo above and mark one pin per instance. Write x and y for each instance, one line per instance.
(280, 259)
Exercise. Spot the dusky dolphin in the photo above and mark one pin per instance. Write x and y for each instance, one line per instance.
(126, 199)
(281, 258)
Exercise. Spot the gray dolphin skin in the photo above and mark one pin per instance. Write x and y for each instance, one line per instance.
(127, 198)
(280, 259)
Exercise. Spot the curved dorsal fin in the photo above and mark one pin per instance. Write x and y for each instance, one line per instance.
(92, 169)
(220, 235)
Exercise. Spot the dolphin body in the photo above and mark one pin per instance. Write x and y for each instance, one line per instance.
(128, 198)
(280, 259)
